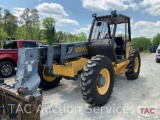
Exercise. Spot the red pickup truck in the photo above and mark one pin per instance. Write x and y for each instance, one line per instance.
(9, 54)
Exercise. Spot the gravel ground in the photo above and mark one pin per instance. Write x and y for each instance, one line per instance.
(65, 101)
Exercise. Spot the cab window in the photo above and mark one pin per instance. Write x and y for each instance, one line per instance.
(28, 44)
(10, 45)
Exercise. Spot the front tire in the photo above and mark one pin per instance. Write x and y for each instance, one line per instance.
(6, 69)
(97, 80)
(134, 65)
(47, 82)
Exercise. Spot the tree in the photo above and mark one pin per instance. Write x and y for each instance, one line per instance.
(3, 34)
(10, 23)
(35, 23)
(81, 37)
(28, 27)
(20, 32)
(30, 19)
(0, 14)
(3, 37)
(6, 15)
(156, 39)
(26, 16)
(59, 36)
(68, 37)
(1, 17)
(141, 42)
(49, 25)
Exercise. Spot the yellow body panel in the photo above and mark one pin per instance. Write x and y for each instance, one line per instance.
(120, 67)
(70, 69)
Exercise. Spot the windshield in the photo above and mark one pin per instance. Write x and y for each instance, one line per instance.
(101, 30)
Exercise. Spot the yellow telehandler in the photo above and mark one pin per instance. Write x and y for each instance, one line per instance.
(94, 62)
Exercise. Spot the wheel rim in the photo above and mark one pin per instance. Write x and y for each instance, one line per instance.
(103, 81)
(136, 64)
(6, 69)
(48, 78)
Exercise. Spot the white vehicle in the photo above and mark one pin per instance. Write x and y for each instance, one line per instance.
(158, 54)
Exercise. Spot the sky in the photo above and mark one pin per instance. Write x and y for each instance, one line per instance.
(76, 15)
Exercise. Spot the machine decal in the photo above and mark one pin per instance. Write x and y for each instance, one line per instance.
(81, 49)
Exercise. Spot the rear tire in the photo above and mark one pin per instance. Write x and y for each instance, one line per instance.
(93, 91)
(134, 65)
(157, 60)
(45, 84)
(6, 69)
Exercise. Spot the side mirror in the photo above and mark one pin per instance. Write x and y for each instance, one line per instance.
(113, 13)
(94, 15)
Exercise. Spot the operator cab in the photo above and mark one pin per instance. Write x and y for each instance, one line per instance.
(108, 36)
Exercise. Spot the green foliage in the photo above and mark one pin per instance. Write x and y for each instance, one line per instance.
(28, 27)
(30, 20)
(141, 42)
(20, 33)
(3, 36)
(81, 37)
(68, 37)
(156, 39)
(10, 23)
(0, 13)
(49, 25)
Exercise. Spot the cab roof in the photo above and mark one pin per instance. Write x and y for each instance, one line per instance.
(110, 19)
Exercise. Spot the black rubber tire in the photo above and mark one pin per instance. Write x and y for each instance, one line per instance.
(157, 60)
(11, 66)
(131, 74)
(89, 80)
(45, 85)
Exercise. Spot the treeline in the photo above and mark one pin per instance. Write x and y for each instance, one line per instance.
(143, 41)
(146, 42)
(29, 27)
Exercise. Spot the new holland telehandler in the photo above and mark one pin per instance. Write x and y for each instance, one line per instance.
(94, 62)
